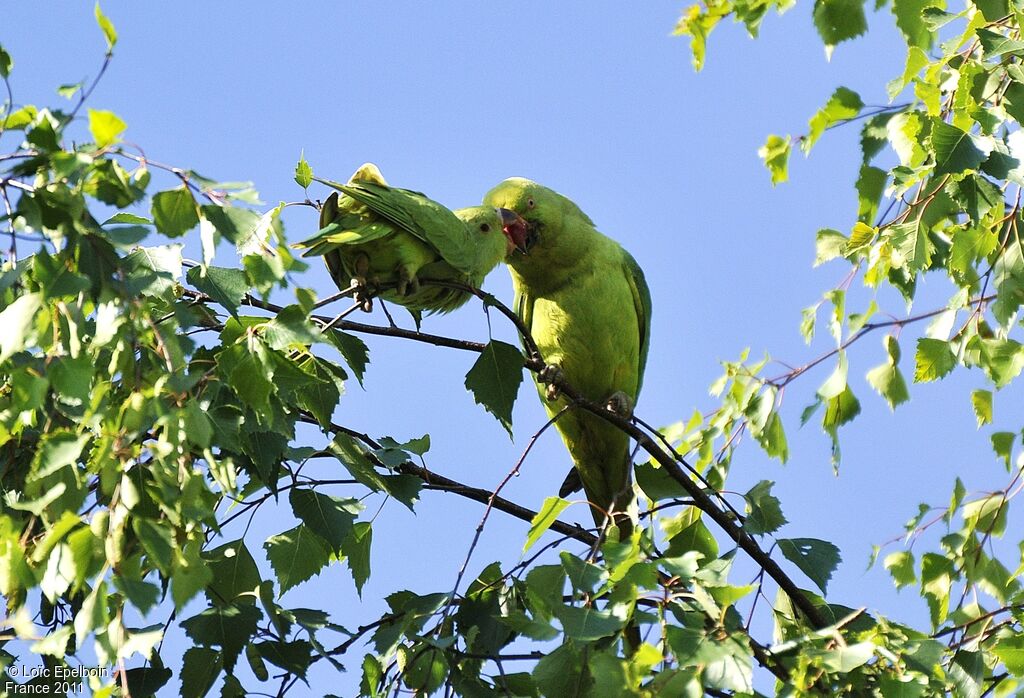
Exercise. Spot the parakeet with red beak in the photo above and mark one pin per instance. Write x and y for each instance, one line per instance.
(374, 235)
(587, 306)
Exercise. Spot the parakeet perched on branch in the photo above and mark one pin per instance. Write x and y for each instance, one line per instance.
(373, 235)
(587, 305)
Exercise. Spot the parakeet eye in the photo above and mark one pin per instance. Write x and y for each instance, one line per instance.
(485, 228)
(530, 203)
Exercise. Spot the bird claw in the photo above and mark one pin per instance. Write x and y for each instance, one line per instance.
(551, 375)
(621, 404)
(361, 294)
(408, 284)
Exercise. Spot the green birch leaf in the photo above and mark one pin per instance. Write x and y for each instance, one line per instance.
(934, 360)
(910, 20)
(356, 549)
(107, 27)
(994, 44)
(956, 150)
(911, 247)
(817, 559)
(981, 401)
(542, 520)
(354, 351)
(775, 153)
(225, 285)
(234, 574)
(844, 104)
(174, 212)
(331, 518)
(828, 244)
(764, 512)
(587, 624)
(494, 380)
(200, 668)
(839, 20)
(901, 568)
(303, 172)
(105, 127)
(1010, 650)
(870, 187)
(697, 22)
(294, 657)
(886, 379)
(296, 555)
(18, 320)
(227, 627)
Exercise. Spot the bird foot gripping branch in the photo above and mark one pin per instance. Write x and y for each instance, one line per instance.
(552, 376)
(621, 404)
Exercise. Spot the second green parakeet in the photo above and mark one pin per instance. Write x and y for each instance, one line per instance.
(373, 234)
(587, 306)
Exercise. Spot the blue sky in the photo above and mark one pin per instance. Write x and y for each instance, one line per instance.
(600, 103)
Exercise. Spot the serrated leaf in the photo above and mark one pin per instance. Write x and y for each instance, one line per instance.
(772, 438)
(542, 520)
(828, 244)
(356, 549)
(981, 401)
(697, 23)
(817, 559)
(107, 27)
(934, 360)
(18, 320)
(227, 627)
(870, 186)
(994, 44)
(775, 153)
(764, 512)
(296, 555)
(1002, 360)
(910, 20)
(303, 172)
(839, 20)
(200, 668)
(886, 379)
(294, 657)
(234, 573)
(105, 127)
(584, 576)
(956, 150)
(225, 285)
(1010, 650)
(844, 104)
(331, 518)
(901, 567)
(911, 247)
(494, 380)
(174, 212)
(587, 624)
(354, 351)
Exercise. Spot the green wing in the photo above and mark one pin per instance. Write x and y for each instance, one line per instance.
(343, 221)
(423, 217)
(523, 305)
(642, 304)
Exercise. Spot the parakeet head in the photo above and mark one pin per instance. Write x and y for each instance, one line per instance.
(486, 223)
(544, 212)
(368, 172)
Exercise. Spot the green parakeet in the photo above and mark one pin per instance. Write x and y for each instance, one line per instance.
(587, 305)
(373, 234)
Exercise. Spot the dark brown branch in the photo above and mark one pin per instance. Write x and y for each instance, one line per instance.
(477, 494)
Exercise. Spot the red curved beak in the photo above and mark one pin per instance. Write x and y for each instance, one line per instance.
(515, 229)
